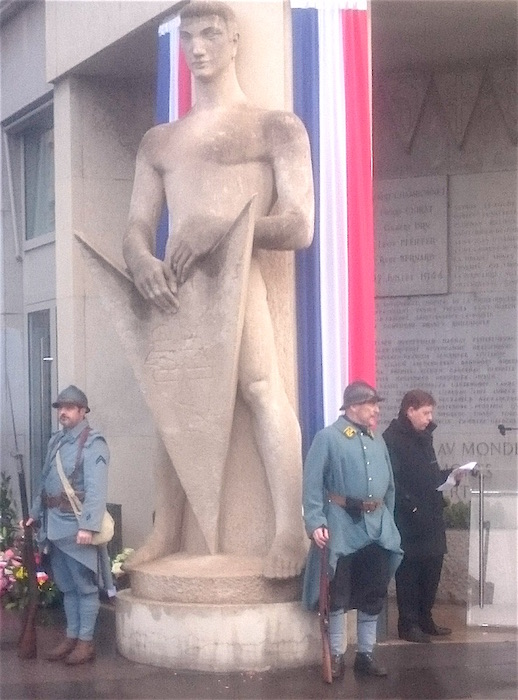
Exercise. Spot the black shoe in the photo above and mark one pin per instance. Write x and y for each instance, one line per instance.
(414, 634)
(337, 665)
(435, 630)
(365, 665)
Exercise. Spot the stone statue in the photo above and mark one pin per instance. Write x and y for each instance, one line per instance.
(207, 166)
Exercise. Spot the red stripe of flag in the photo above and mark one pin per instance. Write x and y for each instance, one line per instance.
(184, 86)
(362, 362)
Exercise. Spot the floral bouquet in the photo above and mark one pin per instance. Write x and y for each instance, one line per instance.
(14, 582)
(120, 576)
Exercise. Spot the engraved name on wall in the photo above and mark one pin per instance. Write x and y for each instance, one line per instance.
(462, 346)
(411, 236)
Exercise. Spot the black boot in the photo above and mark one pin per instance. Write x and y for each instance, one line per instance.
(337, 665)
(413, 634)
(435, 630)
(365, 665)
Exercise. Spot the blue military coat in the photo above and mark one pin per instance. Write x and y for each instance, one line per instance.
(61, 527)
(347, 460)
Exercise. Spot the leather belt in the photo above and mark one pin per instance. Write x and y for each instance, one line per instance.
(51, 501)
(367, 506)
(60, 501)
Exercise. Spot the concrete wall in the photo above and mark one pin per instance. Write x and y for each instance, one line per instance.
(27, 272)
(460, 343)
(22, 68)
(68, 44)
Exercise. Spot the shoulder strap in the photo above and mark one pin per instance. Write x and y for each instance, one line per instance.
(74, 500)
(83, 437)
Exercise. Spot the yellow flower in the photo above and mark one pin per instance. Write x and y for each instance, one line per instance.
(20, 573)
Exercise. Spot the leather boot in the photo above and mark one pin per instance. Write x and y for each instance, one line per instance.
(63, 649)
(337, 665)
(83, 653)
(365, 665)
(414, 634)
(435, 630)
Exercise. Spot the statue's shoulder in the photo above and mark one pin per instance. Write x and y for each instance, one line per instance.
(280, 119)
(154, 139)
(282, 127)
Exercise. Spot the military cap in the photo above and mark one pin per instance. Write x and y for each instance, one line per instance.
(72, 395)
(359, 392)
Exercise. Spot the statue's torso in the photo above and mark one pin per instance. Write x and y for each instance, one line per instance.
(213, 161)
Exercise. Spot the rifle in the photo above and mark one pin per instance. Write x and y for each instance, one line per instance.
(27, 642)
(323, 612)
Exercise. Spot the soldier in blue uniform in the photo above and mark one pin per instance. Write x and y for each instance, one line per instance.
(74, 559)
(348, 506)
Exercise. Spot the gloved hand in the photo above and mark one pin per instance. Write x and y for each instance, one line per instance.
(353, 506)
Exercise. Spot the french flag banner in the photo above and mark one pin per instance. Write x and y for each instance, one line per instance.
(335, 276)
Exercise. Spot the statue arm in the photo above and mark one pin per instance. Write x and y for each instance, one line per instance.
(289, 225)
(153, 279)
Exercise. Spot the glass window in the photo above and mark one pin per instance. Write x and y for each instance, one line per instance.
(40, 412)
(38, 151)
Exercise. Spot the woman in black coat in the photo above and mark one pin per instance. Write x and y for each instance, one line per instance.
(418, 515)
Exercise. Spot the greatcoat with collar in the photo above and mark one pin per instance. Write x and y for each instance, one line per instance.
(419, 506)
(347, 460)
(56, 525)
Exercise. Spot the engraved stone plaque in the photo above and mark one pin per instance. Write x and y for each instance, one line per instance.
(463, 346)
(411, 236)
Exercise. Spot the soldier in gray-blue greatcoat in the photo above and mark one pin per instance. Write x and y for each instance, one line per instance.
(348, 507)
(74, 559)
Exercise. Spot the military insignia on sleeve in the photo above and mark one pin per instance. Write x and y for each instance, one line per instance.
(100, 459)
(350, 432)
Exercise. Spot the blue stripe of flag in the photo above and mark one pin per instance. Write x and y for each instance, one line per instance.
(163, 71)
(309, 339)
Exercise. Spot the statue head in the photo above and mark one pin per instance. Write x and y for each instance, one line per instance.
(205, 8)
(209, 37)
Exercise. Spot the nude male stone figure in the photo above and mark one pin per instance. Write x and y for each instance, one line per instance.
(207, 166)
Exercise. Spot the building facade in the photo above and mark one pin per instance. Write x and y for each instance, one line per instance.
(78, 91)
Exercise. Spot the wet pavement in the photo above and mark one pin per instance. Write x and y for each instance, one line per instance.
(472, 663)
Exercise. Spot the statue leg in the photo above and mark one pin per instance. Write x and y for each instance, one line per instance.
(276, 432)
(165, 537)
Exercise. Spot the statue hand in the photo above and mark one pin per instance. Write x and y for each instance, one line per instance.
(182, 260)
(156, 282)
(198, 237)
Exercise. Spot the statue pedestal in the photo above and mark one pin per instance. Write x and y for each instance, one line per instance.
(155, 626)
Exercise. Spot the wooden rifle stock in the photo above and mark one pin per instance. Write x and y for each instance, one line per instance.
(27, 642)
(27, 647)
(323, 611)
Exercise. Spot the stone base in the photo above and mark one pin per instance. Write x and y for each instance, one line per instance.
(215, 579)
(217, 638)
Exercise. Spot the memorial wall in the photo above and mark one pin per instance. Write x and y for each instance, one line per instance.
(446, 262)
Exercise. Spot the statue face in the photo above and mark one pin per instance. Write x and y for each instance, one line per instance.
(208, 46)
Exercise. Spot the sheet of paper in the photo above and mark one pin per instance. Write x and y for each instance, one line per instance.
(451, 480)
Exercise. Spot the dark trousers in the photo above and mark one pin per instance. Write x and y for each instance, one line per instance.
(417, 581)
(361, 580)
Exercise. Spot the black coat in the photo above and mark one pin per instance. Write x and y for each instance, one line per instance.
(419, 506)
